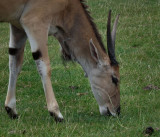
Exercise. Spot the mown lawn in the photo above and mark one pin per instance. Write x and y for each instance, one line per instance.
(137, 50)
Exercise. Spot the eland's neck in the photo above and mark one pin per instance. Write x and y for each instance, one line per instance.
(80, 29)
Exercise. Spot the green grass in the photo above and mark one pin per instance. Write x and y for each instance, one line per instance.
(137, 50)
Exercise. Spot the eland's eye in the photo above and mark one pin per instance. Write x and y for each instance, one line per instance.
(114, 80)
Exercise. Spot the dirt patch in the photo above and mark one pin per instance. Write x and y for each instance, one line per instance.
(151, 87)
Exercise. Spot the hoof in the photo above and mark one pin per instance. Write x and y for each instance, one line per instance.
(57, 118)
(11, 113)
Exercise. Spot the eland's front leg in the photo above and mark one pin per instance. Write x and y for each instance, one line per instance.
(43, 66)
(16, 50)
(37, 33)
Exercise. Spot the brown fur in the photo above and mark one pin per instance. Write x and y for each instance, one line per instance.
(85, 7)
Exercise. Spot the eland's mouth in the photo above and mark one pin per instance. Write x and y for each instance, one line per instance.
(106, 112)
(114, 114)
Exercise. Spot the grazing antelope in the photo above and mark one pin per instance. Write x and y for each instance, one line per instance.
(70, 22)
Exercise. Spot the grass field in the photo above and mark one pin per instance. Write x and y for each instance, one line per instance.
(138, 52)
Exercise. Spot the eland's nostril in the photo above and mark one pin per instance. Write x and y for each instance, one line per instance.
(118, 110)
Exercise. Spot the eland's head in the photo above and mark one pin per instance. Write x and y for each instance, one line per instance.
(105, 77)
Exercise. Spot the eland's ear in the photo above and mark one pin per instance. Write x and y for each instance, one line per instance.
(93, 50)
(96, 55)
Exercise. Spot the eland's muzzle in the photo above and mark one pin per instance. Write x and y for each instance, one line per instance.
(112, 114)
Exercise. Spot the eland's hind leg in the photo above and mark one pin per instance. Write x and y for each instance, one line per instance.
(37, 33)
(16, 50)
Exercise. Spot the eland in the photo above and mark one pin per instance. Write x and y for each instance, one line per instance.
(71, 24)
